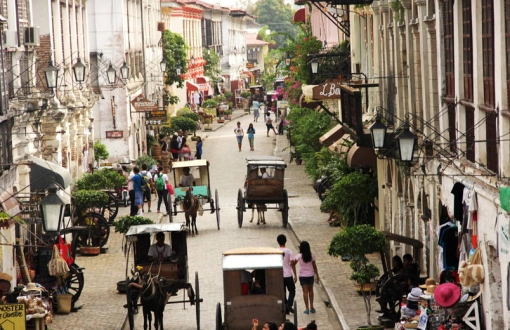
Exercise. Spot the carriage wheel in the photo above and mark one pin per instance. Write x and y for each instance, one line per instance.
(170, 211)
(285, 209)
(217, 201)
(218, 317)
(240, 205)
(97, 232)
(129, 305)
(197, 300)
(111, 209)
(75, 282)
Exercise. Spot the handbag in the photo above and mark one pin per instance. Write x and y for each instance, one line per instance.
(65, 251)
(57, 265)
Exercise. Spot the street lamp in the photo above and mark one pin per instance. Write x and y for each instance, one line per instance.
(162, 65)
(79, 70)
(111, 74)
(178, 70)
(287, 60)
(378, 132)
(406, 144)
(52, 210)
(314, 64)
(124, 71)
(51, 75)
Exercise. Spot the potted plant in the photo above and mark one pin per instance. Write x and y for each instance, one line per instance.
(100, 153)
(210, 110)
(357, 242)
(246, 95)
(147, 160)
(122, 225)
(228, 114)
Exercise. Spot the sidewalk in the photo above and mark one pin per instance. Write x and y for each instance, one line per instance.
(308, 223)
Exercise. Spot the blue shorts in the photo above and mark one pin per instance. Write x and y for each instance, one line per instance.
(138, 198)
(307, 280)
(239, 139)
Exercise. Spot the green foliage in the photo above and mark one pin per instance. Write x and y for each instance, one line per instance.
(228, 95)
(245, 94)
(103, 179)
(151, 140)
(100, 151)
(4, 217)
(212, 65)
(210, 104)
(187, 113)
(122, 225)
(357, 242)
(166, 130)
(147, 160)
(86, 199)
(351, 196)
(184, 123)
(174, 54)
(168, 98)
(278, 17)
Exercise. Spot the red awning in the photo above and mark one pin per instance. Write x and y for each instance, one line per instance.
(190, 86)
(300, 16)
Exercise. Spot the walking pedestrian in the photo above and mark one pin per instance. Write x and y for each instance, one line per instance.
(289, 274)
(161, 182)
(307, 271)
(137, 187)
(199, 148)
(256, 108)
(131, 190)
(147, 194)
(239, 135)
(269, 124)
(251, 136)
(174, 148)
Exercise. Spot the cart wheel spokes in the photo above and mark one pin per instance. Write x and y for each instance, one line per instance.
(197, 300)
(217, 201)
(285, 209)
(240, 208)
(75, 282)
(97, 232)
(219, 325)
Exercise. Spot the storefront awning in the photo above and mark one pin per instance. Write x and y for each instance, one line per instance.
(354, 155)
(203, 83)
(191, 86)
(332, 135)
(300, 16)
(43, 173)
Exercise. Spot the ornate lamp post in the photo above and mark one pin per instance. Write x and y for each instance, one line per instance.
(52, 209)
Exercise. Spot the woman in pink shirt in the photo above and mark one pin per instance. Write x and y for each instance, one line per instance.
(307, 271)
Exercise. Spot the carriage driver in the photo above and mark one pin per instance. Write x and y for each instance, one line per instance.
(264, 174)
(160, 251)
(187, 179)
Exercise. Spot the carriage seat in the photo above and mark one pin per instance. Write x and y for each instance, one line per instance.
(264, 189)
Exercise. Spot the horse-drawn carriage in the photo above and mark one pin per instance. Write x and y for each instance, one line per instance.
(252, 287)
(261, 190)
(192, 200)
(155, 281)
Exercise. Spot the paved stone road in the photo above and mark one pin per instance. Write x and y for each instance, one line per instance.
(103, 306)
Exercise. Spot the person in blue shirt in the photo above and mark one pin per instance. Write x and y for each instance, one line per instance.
(137, 187)
(251, 136)
(199, 148)
(256, 112)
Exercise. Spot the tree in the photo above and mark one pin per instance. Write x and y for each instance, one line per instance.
(100, 152)
(277, 16)
(212, 68)
(174, 54)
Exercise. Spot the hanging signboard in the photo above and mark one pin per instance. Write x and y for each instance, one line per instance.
(12, 316)
(141, 104)
(114, 134)
(157, 115)
(327, 90)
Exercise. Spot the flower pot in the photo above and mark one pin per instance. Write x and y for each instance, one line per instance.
(156, 151)
(368, 288)
(122, 286)
(299, 161)
(90, 250)
(221, 121)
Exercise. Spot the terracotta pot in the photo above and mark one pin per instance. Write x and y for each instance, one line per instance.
(156, 151)
(90, 250)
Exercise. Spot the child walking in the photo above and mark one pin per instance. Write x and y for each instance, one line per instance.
(251, 136)
(239, 135)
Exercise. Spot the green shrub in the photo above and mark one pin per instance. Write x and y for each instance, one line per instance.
(122, 225)
(184, 123)
(210, 104)
(100, 151)
(147, 160)
(101, 179)
(245, 94)
(86, 199)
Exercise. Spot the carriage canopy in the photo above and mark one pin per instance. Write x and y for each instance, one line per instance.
(155, 228)
(252, 258)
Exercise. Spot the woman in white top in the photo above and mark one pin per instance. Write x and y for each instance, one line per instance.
(269, 124)
(307, 270)
(239, 135)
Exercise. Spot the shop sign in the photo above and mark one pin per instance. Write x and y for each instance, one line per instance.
(114, 134)
(250, 65)
(141, 104)
(12, 316)
(156, 115)
(327, 90)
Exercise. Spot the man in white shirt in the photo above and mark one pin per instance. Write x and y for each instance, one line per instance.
(187, 179)
(289, 277)
(263, 173)
(160, 251)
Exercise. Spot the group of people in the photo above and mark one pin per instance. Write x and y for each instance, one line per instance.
(180, 148)
(142, 183)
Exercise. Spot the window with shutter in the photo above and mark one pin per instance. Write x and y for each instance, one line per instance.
(448, 48)
(488, 52)
(467, 44)
(452, 128)
(491, 133)
(470, 134)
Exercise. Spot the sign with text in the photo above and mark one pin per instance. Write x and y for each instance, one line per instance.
(156, 115)
(12, 317)
(327, 90)
(141, 104)
(114, 134)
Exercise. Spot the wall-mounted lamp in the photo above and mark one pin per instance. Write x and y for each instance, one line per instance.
(287, 60)
(243, 50)
(235, 50)
(314, 64)
(178, 70)
(51, 75)
(79, 70)
(111, 74)
(192, 60)
(52, 210)
(124, 71)
(162, 65)
(378, 132)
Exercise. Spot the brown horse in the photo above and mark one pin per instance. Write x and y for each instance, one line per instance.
(190, 206)
(261, 209)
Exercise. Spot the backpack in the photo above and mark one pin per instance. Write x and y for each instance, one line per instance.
(146, 185)
(160, 184)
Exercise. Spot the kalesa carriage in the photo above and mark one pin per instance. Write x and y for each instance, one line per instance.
(150, 283)
(268, 193)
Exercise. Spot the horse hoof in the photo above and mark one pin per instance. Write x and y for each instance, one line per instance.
(251, 220)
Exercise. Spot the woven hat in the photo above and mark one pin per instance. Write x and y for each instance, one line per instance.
(447, 294)
(474, 297)
(428, 281)
(431, 289)
(31, 287)
(415, 294)
(5, 276)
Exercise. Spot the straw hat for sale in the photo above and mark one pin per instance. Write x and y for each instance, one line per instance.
(428, 281)
(31, 287)
(431, 289)
(5, 276)
(474, 297)
(447, 294)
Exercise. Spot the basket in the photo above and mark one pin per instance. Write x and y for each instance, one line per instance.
(64, 303)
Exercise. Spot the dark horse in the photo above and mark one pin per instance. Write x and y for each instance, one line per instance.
(190, 206)
(153, 297)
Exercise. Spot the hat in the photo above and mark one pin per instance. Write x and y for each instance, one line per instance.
(431, 289)
(5, 276)
(415, 294)
(447, 294)
(31, 286)
(428, 281)
(474, 297)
